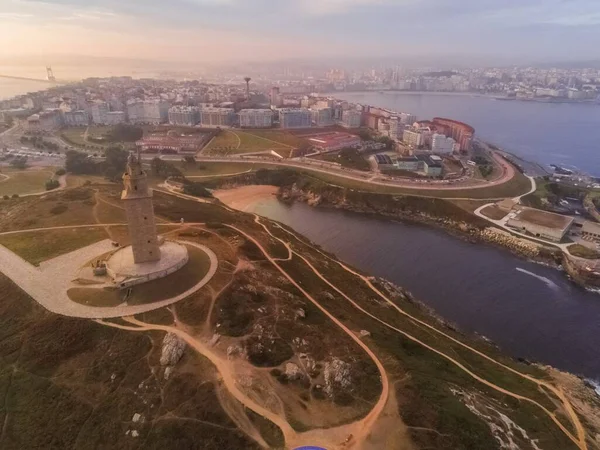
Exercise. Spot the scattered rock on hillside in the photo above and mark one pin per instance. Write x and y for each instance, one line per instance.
(292, 371)
(337, 376)
(172, 350)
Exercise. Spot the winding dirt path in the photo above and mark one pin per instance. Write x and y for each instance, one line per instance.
(364, 425)
(578, 440)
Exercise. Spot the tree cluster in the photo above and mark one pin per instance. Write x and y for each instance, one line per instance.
(163, 169)
(39, 143)
(125, 133)
(19, 162)
(112, 167)
(52, 184)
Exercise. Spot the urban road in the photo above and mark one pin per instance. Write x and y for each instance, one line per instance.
(508, 172)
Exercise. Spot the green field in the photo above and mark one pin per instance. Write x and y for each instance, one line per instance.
(36, 247)
(242, 141)
(24, 182)
(516, 186)
(75, 137)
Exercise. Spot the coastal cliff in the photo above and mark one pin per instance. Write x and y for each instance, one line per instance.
(432, 211)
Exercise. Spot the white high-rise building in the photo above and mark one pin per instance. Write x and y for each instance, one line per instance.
(256, 118)
(322, 116)
(442, 144)
(184, 115)
(115, 117)
(295, 118)
(148, 111)
(396, 128)
(413, 138)
(217, 117)
(99, 110)
(351, 118)
(407, 119)
(76, 118)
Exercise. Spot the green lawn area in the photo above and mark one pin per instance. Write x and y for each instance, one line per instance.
(494, 212)
(24, 182)
(224, 142)
(518, 185)
(153, 291)
(74, 136)
(243, 141)
(583, 252)
(36, 247)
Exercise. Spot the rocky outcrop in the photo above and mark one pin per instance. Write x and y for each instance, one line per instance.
(172, 350)
(583, 274)
(513, 243)
(337, 376)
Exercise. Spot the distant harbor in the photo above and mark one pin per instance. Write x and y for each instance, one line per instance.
(564, 134)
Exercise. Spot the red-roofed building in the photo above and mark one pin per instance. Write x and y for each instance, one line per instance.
(459, 131)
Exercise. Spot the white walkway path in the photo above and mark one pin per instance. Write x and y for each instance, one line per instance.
(48, 284)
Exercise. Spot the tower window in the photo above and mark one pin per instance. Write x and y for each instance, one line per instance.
(148, 241)
(145, 218)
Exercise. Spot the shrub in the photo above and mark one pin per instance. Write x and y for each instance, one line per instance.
(60, 172)
(52, 184)
(59, 209)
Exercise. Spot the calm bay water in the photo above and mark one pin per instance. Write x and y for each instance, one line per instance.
(482, 289)
(548, 133)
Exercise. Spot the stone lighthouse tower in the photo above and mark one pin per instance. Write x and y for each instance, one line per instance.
(140, 212)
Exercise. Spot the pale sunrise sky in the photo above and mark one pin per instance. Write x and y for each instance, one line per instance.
(220, 30)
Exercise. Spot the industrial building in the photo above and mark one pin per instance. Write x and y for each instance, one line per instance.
(184, 115)
(426, 165)
(256, 118)
(538, 223)
(217, 117)
(590, 231)
(295, 118)
(382, 161)
(408, 163)
(327, 142)
(430, 165)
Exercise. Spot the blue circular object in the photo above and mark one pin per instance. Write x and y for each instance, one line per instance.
(310, 448)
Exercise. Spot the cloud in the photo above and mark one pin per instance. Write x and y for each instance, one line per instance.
(344, 27)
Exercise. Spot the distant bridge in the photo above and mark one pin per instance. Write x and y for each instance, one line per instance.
(41, 80)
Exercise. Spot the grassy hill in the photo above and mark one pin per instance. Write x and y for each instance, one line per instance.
(285, 346)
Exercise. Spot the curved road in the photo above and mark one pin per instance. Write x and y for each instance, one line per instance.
(508, 172)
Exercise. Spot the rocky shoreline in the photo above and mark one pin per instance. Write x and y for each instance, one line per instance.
(469, 231)
(469, 228)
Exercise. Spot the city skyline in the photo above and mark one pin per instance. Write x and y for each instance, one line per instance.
(227, 30)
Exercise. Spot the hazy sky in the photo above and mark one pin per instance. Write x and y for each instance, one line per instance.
(197, 30)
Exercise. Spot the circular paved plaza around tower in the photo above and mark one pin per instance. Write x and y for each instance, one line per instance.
(125, 272)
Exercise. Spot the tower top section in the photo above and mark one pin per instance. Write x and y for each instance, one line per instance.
(135, 181)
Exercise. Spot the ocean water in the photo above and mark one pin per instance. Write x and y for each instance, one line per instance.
(528, 309)
(567, 134)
